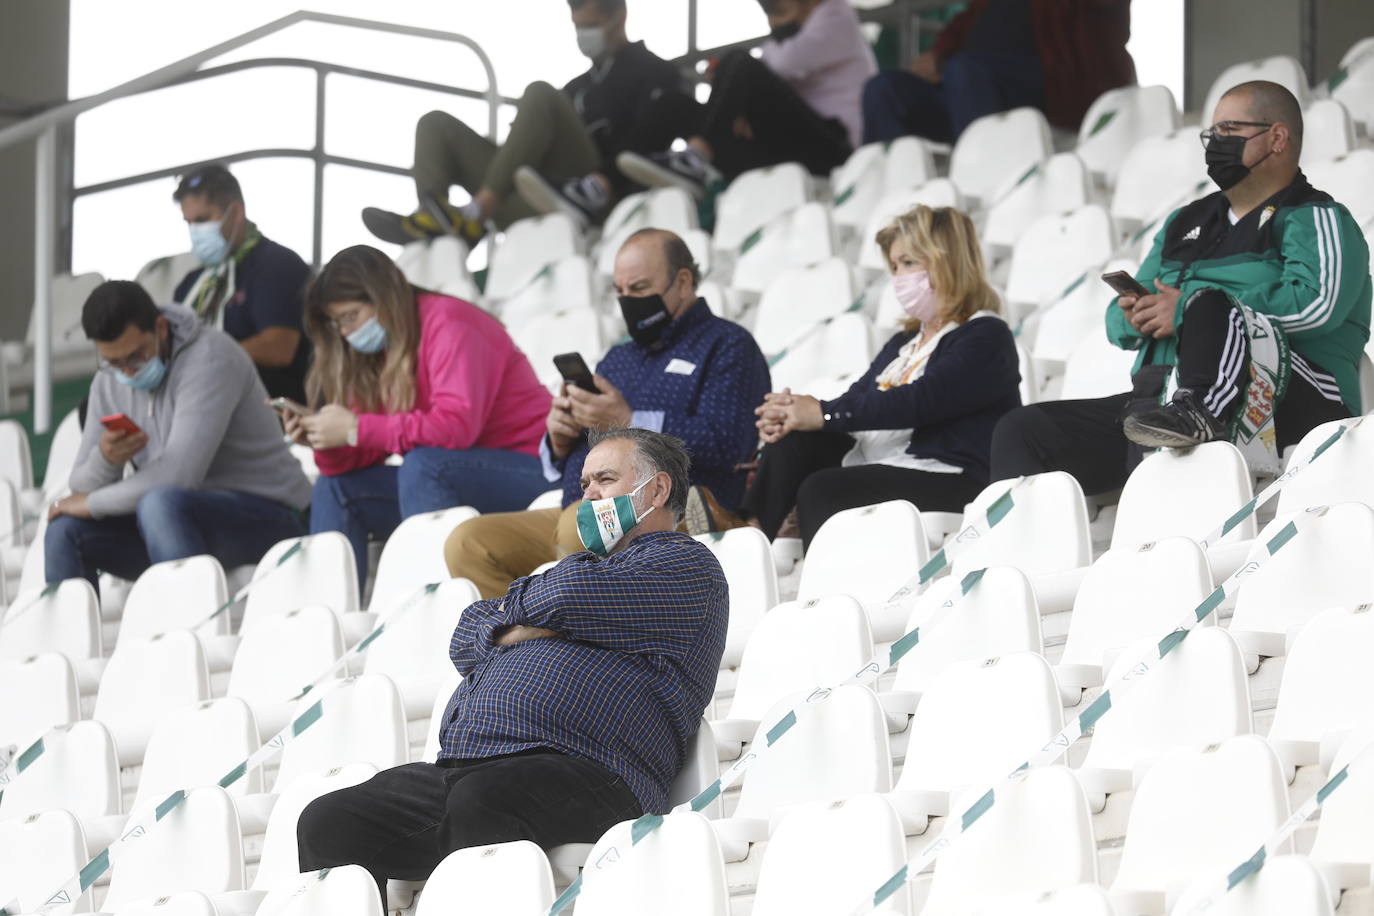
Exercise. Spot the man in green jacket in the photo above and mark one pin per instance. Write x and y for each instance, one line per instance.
(1259, 307)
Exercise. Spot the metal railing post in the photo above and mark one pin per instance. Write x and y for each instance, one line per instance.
(44, 266)
(317, 247)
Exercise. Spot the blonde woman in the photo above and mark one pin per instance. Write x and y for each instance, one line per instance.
(918, 424)
(403, 371)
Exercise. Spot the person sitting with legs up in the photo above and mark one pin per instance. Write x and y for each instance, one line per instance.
(1252, 322)
(581, 690)
(180, 455)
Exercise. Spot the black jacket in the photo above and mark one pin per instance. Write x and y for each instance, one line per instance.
(969, 382)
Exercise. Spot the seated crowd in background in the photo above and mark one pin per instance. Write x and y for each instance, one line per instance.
(685, 372)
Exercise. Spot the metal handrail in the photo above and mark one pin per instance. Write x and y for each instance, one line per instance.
(43, 128)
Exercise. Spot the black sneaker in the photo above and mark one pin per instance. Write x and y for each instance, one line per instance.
(1181, 423)
(686, 169)
(584, 199)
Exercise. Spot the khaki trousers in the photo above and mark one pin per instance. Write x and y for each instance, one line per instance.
(495, 550)
(547, 134)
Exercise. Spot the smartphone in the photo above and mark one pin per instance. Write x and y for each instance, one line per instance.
(574, 370)
(120, 422)
(282, 405)
(1124, 284)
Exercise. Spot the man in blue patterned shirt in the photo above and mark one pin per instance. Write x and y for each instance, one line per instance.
(685, 372)
(581, 690)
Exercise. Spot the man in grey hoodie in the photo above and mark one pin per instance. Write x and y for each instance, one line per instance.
(208, 471)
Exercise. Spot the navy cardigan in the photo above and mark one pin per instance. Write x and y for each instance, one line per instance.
(969, 382)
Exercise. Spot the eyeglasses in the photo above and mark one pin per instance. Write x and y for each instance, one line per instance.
(347, 322)
(1227, 128)
(130, 364)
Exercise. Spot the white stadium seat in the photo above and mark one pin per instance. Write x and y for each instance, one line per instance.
(146, 681)
(78, 771)
(937, 192)
(1187, 492)
(1045, 532)
(799, 298)
(1096, 368)
(996, 150)
(1156, 175)
(558, 286)
(747, 562)
(161, 276)
(413, 650)
(1327, 132)
(823, 362)
(756, 198)
(1349, 179)
(542, 338)
(1285, 886)
(322, 571)
(1338, 475)
(36, 694)
(675, 871)
(868, 552)
(659, 208)
(527, 246)
(1052, 251)
(1344, 845)
(1281, 69)
(1058, 184)
(1118, 120)
(178, 594)
(37, 854)
(439, 264)
(278, 657)
(414, 556)
(349, 890)
(797, 238)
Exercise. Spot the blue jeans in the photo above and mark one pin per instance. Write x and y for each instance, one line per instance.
(898, 103)
(170, 523)
(373, 501)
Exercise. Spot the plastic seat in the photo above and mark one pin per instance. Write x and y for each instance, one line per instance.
(1036, 838)
(278, 657)
(1095, 368)
(37, 854)
(77, 771)
(70, 348)
(322, 571)
(161, 276)
(661, 208)
(144, 683)
(439, 264)
(1198, 812)
(795, 647)
(1325, 566)
(1118, 120)
(1327, 688)
(1055, 249)
(1196, 695)
(798, 238)
(873, 169)
(867, 552)
(413, 650)
(996, 150)
(561, 285)
(1349, 179)
(937, 192)
(185, 903)
(197, 747)
(1285, 886)
(1187, 492)
(194, 847)
(1155, 175)
(799, 298)
(176, 595)
(675, 871)
(1059, 183)
(1079, 900)
(362, 722)
(747, 561)
(1338, 476)
(525, 248)
(835, 749)
(841, 347)
(756, 198)
(65, 620)
(1014, 701)
(414, 556)
(66, 441)
(822, 857)
(1281, 69)
(348, 890)
(542, 338)
(1344, 847)
(36, 694)
(1327, 132)
(1064, 324)
(997, 617)
(16, 465)
(1131, 593)
(1045, 532)
(1353, 83)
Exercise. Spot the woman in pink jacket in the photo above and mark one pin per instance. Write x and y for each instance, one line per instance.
(403, 371)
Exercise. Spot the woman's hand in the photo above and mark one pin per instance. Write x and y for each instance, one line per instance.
(329, 428)
(291, 425)
(783, 412)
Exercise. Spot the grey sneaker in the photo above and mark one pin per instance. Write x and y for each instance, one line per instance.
(584, 199)
(686, 169)
(1181, 423)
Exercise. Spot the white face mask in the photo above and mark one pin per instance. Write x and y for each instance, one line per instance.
(591, 40)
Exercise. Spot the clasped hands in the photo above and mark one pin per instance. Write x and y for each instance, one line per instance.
(1153, 315)
(574, 410)
(783, 412)
(326, 428)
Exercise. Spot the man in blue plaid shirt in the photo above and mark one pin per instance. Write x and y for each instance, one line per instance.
(581, 688)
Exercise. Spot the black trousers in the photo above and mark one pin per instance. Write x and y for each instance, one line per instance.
(1084, 437)
(785, 128)
(803, 470)
(402, 822)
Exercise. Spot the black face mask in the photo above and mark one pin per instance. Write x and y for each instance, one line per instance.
(646, 318)
(785, 31)
(1224, 160)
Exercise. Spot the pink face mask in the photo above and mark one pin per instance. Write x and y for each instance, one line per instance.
(915, 294)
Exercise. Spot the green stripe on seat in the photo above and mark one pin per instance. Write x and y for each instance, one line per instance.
(903, 646)
(644, 826)
(1210, 603)
(999, 509)
(234, 775)
(1096, 710)
(1332, 784)
(783, 726)
(32, 753)
(890, 886)
(706, 796)
(307, 718)
(169, 804)
(93, 870)
(1285, 535)
(1246, 868)
(977, 809)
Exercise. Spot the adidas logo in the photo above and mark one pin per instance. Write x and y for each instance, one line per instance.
(1193, 235)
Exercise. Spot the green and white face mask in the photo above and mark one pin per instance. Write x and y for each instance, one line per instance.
(603, 523)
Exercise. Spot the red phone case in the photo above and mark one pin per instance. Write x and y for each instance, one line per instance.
(121, 422)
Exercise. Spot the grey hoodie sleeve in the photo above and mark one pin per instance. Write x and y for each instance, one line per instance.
(208, 392)
(92, 471)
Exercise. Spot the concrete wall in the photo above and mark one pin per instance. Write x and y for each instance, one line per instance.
(33, 71)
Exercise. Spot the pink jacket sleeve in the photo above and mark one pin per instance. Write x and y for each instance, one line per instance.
(463, 369)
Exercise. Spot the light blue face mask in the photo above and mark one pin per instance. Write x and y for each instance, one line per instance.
(208, 243)
(369, 338)
(148, 377)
